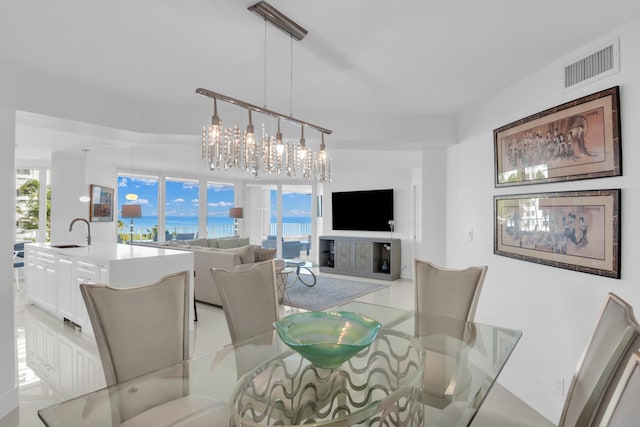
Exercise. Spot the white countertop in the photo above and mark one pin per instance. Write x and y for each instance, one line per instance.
(109, 251)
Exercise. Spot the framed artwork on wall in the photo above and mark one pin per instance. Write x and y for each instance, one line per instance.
(576, 140)
(575, 230)
(101, 204)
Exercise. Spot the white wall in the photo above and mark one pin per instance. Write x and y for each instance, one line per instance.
(432, 216)
(555, 308)
(71, 176)
(8, 384)
(374, 170)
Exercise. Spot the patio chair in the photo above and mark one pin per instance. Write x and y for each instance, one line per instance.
(18, 262)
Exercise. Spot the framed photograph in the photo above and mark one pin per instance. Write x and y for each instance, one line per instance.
(576, 230)
(101, 204)
(576, 140)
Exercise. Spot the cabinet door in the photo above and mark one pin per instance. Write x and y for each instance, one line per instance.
(85, 273)
(363, 256)
(51, 286)
(344, 259)
(66, 287)
(31, 274)
(37, 286)
(103, 274)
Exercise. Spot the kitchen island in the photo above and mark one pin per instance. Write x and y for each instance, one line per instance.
(53, 273)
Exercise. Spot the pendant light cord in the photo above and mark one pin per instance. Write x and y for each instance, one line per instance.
(265, 62)
(291, 78)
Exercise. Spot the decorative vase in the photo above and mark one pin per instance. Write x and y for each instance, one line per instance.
(385, 266)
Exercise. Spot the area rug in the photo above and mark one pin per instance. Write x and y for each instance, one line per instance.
(327, 292)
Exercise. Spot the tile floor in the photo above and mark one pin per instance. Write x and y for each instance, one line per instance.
(56, 362)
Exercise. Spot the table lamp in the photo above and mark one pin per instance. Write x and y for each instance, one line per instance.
(235, 213)
(131, 211)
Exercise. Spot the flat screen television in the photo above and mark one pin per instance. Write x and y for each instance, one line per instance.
(362, 210)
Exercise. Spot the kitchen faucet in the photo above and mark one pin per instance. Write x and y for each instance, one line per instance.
(88, 228)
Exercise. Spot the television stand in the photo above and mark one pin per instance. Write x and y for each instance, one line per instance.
(377, 258)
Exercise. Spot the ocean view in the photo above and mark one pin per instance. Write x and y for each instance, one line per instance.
(192, 221)
(217, 226)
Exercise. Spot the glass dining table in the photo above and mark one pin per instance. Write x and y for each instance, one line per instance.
(420, 370)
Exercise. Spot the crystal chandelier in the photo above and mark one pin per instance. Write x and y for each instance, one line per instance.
(234, 148)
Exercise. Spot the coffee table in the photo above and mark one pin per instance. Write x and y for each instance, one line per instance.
(283, 275)
(307, 281)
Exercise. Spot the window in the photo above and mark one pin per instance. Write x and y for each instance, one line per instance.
(220, 197)
(146, 189)
(29, 215)
(181, 214)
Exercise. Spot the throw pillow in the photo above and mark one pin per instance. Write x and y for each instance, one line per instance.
(243, 241)
(227, 243)
(246, 253)
(198, 242)
(265, 254)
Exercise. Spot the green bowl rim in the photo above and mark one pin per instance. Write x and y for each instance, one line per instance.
(372, 323)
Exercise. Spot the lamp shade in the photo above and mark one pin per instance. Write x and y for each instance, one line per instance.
(235, 212)
(131, 211)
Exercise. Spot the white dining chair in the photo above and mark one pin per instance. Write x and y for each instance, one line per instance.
(447, 292)
(622, 410)
(249, 298)
(139, 329)
(615, 338)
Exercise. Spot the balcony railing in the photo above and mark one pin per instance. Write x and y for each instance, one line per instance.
(290, 231)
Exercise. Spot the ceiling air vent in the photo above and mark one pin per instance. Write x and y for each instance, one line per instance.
(593, 66)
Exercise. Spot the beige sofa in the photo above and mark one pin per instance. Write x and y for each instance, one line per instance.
(218, 253)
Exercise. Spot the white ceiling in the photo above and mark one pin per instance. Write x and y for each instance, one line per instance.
(360, 56)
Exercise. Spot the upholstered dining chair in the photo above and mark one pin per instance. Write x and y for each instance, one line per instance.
(615, 338)
(139, 329)
(452, 294)
(447, 292)
(622, 410)
(249, 298)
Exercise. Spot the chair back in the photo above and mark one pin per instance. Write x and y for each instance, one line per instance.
(615, 338)
(140, 329)
(622, 410)
(249, 298)
(447, 292)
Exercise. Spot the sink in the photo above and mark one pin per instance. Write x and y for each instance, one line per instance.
(66, 246)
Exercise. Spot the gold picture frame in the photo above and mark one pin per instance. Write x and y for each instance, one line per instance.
(575, 230)
(576, 140)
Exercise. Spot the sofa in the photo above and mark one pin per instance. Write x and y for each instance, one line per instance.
(218, 253)
(290, 248)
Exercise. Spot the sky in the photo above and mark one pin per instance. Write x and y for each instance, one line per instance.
(182, 198)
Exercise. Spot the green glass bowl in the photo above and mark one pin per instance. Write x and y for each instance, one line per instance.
(327, 339)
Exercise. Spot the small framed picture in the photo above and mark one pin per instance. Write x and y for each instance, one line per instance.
(101, 204)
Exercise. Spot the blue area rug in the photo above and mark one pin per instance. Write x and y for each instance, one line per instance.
(327, 292)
